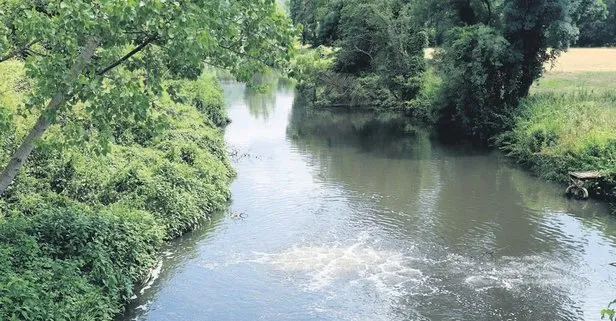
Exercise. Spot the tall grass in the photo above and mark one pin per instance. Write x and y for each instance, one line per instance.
(567, 124)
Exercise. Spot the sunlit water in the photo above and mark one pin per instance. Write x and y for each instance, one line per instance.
(345, 218)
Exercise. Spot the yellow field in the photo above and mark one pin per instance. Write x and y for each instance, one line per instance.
(586, 69)
(575, 60)
(586, 60)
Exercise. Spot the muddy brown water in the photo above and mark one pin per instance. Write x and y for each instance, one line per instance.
(348, 216)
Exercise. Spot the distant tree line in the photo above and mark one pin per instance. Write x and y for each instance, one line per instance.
(489, 52)
(596, 19)
(598, 24)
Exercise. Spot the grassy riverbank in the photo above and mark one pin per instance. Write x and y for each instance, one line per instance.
(79, 228)
(568, 121)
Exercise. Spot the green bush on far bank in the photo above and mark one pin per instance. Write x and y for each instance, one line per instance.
(79, 228)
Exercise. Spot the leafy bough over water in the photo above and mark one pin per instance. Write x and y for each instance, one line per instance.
(112, 58)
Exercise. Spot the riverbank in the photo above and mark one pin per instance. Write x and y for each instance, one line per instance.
(83, 221)
(566, 124)
(568, 121)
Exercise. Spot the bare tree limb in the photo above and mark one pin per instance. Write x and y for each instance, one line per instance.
(127, 56)
(364, 52)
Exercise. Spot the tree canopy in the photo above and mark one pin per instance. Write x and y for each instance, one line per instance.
(489, 51)
(111, 56)
(379, 54)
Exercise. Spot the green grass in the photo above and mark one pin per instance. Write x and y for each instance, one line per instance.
(567, 124)
(572, 82)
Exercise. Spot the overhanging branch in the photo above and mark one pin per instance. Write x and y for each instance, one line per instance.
(127, 56)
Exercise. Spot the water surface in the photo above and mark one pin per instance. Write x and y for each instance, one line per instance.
(356, 217)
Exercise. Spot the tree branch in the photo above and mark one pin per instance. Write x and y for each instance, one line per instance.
(32, 52)
(15, 52)
(27, 145)
(127, 56)
(489, 7)
(364, 52)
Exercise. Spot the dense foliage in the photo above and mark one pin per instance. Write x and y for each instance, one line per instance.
(490, 62)
(122, 133)
(378, 57)
(79, 228)
(72, 263)
(491, 53)
(113, 56)
(597, 21)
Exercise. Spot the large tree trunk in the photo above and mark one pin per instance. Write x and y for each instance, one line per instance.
(43, 122)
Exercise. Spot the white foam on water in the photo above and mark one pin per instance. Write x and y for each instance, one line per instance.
(152, 277)
(513, 273)
(388, 272)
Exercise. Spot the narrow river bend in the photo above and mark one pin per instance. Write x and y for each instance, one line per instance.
(344, 218)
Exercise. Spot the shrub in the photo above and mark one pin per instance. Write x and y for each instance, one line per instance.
(478, 92)
(72, 263)
(378, 61)
(78, 228)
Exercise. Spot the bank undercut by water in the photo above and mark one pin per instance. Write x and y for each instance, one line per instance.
(82, 224)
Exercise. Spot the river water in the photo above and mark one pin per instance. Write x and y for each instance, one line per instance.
(339, 216)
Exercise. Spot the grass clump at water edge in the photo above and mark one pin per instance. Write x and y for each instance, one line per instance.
(567, 124)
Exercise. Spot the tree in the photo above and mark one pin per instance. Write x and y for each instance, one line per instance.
(111, 56)
(318, 18)
(378, 58)
(304, 12)
(597, 22)
(483, 84)
(477, 89)
(437, 17)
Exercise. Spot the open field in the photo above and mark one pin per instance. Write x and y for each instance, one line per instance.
(581, 69)
(575, 60)
(586, 60)
(568, 82)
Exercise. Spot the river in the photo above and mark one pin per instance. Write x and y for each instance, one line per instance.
(342, 216)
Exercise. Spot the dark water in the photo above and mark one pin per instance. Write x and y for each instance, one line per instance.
(345, 218)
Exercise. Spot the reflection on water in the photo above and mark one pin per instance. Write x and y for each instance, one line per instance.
(361, 217)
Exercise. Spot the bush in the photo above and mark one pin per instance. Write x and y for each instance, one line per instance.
(72, 263)
(78, 228)
(478, 92)
(377, 63)
(422, 108)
